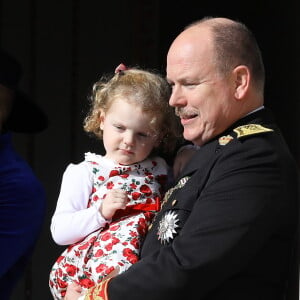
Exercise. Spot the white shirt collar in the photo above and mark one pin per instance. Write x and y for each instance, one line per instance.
(255, 110)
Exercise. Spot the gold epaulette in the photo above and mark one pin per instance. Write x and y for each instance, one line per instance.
(250, 129)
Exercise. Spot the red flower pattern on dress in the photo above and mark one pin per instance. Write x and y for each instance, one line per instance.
(110, 185)
(136, 195)
(97, 243)
(114, 227)
(61, 283)
(86, 259)
(99, 253)
(113, 173)
(71, 269)
(123, 236)
(106, 236)
(115, 240)
(151, 176)
(133, 233)
(130, 255)
(142, 228)
(135, 243)
(84, 246)
(101, 268)
(60, 258)
(95, 197)
(130, 223)
(133, 185)
(124, 175)
(104, 270)
(86, 282)
(51, 283)
(145, 189)
(108, 247)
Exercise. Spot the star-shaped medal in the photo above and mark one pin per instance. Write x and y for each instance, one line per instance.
(167, 227)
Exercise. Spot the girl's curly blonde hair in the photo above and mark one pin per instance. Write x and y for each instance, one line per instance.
(146, 89)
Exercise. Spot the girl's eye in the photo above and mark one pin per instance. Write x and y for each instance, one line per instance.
(145, 135)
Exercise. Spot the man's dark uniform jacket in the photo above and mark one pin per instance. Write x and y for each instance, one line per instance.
(227, 226)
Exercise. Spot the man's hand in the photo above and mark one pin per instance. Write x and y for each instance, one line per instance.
(74, 291)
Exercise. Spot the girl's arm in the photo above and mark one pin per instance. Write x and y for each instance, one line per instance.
(72, 219)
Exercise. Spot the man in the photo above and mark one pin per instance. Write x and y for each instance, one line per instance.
(227, 228)
(22, 197)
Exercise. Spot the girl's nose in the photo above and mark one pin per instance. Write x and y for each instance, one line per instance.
(129, 138)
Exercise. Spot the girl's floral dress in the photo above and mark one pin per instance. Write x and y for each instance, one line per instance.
(116, 246)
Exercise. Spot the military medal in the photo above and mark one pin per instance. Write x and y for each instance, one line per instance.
(223, 140)
(181, 183)
(167, 227)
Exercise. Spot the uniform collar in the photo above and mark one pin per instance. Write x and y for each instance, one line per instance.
(262, 116)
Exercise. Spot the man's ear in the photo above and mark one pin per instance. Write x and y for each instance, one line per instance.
(242, 80)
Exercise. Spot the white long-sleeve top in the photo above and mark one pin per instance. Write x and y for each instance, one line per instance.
(73, 218)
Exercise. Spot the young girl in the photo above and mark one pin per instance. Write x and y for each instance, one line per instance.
(107, 202)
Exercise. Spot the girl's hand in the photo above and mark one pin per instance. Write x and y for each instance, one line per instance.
(74, 291)
(114, 200)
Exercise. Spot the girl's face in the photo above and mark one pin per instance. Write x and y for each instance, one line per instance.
(127, 135)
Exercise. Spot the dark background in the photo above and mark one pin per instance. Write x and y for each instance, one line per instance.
(64, 46)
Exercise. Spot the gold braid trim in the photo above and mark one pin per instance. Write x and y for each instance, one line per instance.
(98, 292)
(250, 129)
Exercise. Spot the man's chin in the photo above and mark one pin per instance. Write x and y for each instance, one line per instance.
(195, 139)
(188, 136)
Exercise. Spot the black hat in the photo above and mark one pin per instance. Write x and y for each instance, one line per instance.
(26, 116)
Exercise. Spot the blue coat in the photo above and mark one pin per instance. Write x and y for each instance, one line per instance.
(22, 211)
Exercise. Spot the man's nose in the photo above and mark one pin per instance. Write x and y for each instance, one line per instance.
(176, 98)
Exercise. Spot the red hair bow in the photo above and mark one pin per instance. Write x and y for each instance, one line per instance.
(121, 67)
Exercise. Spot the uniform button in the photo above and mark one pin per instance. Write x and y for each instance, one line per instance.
(174, 202)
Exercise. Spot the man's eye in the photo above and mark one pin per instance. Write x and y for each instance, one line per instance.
(190, 85)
